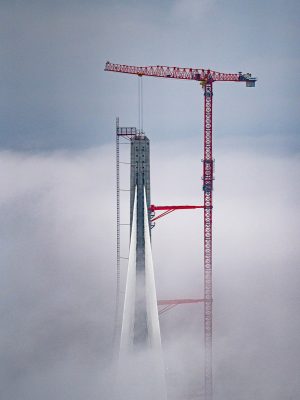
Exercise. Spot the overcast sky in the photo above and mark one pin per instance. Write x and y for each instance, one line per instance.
(57, 200)
(54, 92)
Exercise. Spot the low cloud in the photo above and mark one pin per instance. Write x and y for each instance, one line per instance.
(57, 243)
(57, 274)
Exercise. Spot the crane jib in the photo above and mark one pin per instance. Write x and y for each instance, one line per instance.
(196, 74)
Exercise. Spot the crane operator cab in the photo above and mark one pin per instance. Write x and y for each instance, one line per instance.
(250, 81)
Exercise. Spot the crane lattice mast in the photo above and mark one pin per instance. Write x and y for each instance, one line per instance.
(206, 77)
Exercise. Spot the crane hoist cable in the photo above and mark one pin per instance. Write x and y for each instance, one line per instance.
(140, 103)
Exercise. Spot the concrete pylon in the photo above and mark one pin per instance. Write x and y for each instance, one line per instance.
(140, 302)
(141, 366)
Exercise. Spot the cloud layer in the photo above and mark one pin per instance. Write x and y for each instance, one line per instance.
(58, 272)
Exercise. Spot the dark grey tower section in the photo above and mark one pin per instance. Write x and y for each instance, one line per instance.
(140, 179)
(140, 168)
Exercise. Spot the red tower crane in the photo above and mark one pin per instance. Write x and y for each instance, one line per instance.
(206, 77)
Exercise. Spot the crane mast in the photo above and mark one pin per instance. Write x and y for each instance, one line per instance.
(208, 205)
(206, 77)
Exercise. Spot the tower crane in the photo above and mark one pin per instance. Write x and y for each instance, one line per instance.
(206, 77)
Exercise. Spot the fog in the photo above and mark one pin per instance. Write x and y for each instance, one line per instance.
(58, 273)
(56, 269)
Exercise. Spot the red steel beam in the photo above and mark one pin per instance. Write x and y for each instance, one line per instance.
(169, 304)
(179, 301)
(158, 208)
(169, 209)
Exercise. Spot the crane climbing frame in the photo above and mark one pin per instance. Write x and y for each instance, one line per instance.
(206, 77)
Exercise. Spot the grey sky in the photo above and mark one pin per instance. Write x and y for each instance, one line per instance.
(57, 199)
(55, 93)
